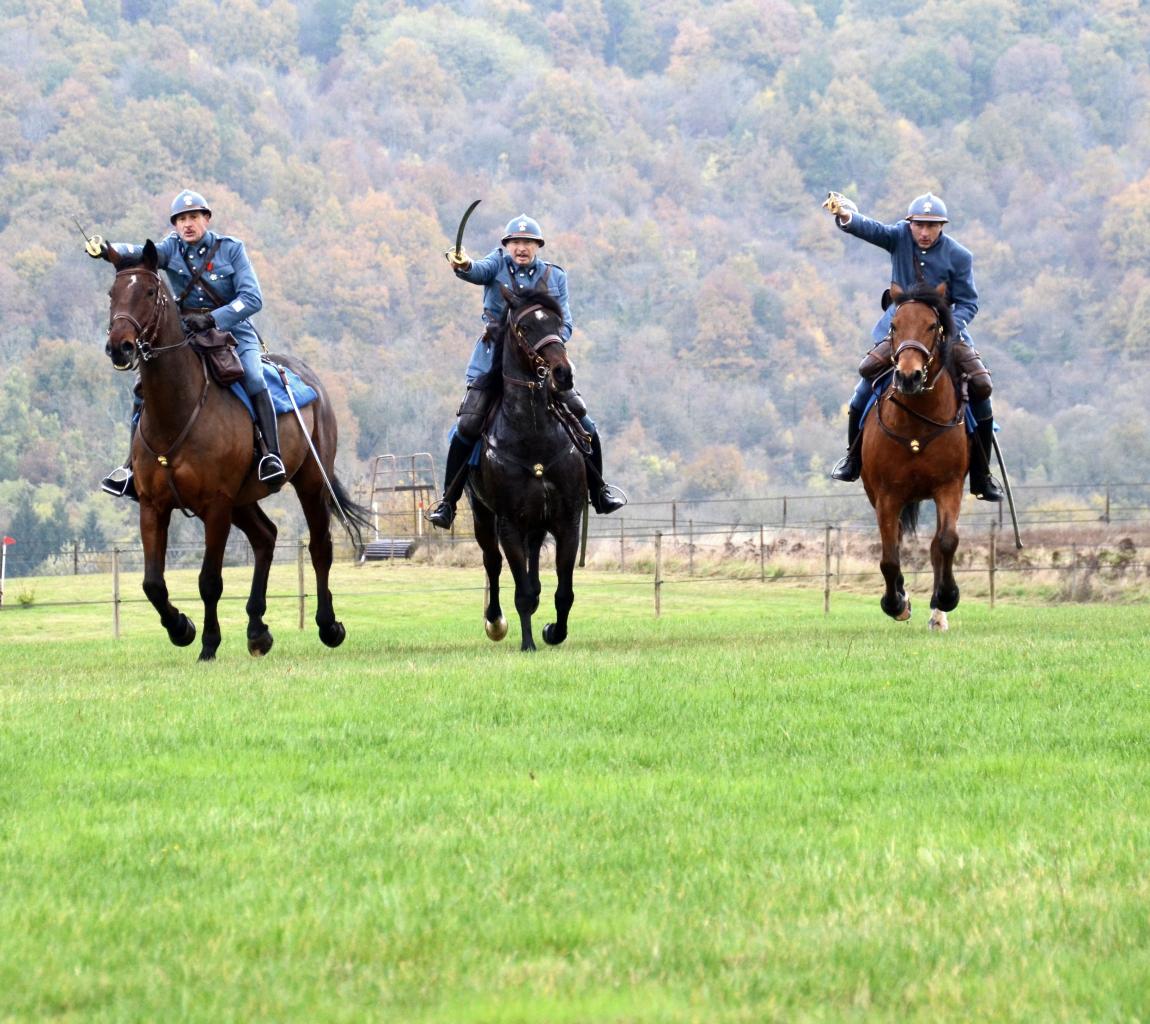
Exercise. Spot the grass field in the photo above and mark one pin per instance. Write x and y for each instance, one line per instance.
(741, 811)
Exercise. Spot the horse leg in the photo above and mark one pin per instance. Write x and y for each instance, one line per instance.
(894, 601)
(261, 534)
(312, 494)
(494, 622)
(566, 552)
(526, 595)
(948, 501)
(154, 537)
(217, 525)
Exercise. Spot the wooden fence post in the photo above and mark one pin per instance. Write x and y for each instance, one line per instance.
(622, 546)
(827, 570)
(116, 592)
(299, 577)
(690, 547)
(658, 572)
(762, 556)
(993, 557)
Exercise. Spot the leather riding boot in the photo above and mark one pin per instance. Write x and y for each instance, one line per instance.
(849, 466)
(442, 513)
(982, 484)
(605, 498)
(120, 483)
(271, 468)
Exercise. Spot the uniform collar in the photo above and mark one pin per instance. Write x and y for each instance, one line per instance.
(531, 269)
(201, 248)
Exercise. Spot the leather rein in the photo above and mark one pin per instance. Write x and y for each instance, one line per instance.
(917, 444)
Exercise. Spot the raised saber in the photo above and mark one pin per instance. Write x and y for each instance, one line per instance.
(92, 243)
(463, 227)
(1009, 492)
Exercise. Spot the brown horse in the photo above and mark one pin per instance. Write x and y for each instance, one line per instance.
(914, 446)
(193, 450)
(531, 480)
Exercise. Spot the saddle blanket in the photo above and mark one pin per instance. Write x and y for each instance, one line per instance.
(305, 394)
(883, 382)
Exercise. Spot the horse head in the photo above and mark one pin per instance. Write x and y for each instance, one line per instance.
(920, 332)
(141, 308)
(534, 325)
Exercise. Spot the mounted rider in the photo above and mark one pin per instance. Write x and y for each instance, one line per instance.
(215, 287)
(921, 252)
(515, 266)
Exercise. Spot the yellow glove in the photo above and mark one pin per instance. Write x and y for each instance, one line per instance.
(840, 206)
(96, 247)
(458, 260)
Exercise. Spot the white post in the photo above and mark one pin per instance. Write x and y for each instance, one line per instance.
(3, 567)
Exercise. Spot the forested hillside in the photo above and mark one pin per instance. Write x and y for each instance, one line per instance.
(676, 153)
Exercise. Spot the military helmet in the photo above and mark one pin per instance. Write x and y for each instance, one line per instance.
(189, 202)
(523, 227)
(929, 209)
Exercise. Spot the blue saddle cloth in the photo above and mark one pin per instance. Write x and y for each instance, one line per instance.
(883, 382)
(305, 394)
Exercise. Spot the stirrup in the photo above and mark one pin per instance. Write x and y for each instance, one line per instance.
(847, 469)
(271, 472)
(441, 514)
(118, 483)
(608, 499)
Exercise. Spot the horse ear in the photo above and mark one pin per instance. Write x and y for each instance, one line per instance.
(941, 289)
(889, 296)
(150, 258)
(509, 296)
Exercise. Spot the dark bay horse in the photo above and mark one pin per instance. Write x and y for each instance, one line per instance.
(531, 480)
(193, 450)
(914, 446)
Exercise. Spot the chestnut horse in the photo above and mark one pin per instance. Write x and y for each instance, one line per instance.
(914, 446)
(531, 480)
(193, 450)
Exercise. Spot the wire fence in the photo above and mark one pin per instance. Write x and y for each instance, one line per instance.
(1081, 543)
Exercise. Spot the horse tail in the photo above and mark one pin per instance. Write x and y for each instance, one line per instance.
(908, 519)
(354, 516)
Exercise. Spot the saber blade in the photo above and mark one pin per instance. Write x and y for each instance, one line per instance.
(463, 226)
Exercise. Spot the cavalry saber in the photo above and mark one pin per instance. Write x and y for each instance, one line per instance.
(463, 227)
(314, 453)
(92, 243)
(1009, 492)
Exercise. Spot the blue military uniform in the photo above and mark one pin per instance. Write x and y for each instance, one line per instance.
(495, 271)
(946, 262)
(212, 279)
(229, 273)
(498, 269)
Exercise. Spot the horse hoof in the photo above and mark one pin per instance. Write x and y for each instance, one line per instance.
(183, 633)
(496, 630)
(937, 622)
(258, 646)
(904, 614)
(332, 634)
(551, 635)
(206, 655)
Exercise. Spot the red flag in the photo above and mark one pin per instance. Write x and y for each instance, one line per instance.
(9, 540)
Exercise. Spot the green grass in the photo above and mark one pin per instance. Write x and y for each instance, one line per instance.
(741, 811)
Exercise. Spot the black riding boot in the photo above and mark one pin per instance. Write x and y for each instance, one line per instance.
(120, 482)
(442, 513)
(605, 498)
(271, 468)
(849, 466)
(982, 484)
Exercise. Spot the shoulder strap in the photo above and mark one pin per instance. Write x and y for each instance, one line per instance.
(198, 279)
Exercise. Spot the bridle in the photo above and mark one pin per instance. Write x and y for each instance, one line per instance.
(531, 350)
(938, 427)
(143, 346)
(914, 345)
